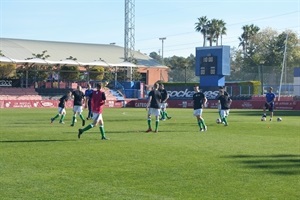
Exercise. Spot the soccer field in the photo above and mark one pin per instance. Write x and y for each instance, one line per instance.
(248, 159)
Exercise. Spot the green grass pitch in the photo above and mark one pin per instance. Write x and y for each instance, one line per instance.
(249, 159)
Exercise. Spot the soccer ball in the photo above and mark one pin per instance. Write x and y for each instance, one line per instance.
(263, 119)
(279, 119)
(218, 121)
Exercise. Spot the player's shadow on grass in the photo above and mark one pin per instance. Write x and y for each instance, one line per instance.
(98, 132)
(29, 141)
(283, 164)
(123, 119)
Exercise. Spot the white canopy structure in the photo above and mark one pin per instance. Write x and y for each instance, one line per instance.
(124, 64)
(33, 60)
(96, 63)
(65, 62)
(6, 59)
(105, 55)
(21, 49)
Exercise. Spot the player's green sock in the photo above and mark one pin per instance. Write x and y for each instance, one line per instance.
(225, 120)
(62, 118)
(166, 114)
(102, 131)
(161, 114)
(200, 124)
(156, 125)
(149, 123)
(87, 127)
(73, 119)
(81, 117)
(56, 116)
(203, 123)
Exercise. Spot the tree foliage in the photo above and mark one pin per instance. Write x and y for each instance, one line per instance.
(260, 52)
(181, 69)
(69, 73)
(37, 72)
(263, 53)
(7, 70)
(96, 73)
(42, 55)
(136, 76)
(155, 56)
(247, 38)
(109, 74)
(123, 76)
(212, 30)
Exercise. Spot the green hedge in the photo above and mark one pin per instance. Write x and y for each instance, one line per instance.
(237, 87)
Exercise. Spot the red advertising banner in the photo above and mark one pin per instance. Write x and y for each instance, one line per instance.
(236, 104)
(47, 104)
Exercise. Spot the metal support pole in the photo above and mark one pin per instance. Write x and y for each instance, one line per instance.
(162, 49)
(262, 80)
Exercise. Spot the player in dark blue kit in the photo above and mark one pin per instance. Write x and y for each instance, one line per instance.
(61, 108)
(199, 102)
(87, 94)
(269, 104)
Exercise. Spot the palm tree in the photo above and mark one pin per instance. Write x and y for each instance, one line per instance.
(212, 31)
(202, 26)
(249, 31)
(221, 30)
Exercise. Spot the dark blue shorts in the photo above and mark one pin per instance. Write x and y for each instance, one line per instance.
(270, 107)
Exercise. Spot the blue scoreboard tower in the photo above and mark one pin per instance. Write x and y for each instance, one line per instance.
(212, 65)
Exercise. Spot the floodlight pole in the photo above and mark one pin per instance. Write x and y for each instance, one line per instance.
(283, 64)
(162, 49)
(262, 76)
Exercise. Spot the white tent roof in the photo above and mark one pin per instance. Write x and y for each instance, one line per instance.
(124, 64)
(21, 49)
(33, 60)
(65, 62)
(6, 59)
(96, 63)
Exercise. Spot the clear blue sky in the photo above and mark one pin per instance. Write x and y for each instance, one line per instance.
(102, 21)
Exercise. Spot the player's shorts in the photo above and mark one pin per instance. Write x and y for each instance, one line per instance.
(61, 110)
(77, 109)
(219, 107)
(154, 111)
(164, 105)
(224, 113)
(97, 117)
(270, 107)
(198, 112)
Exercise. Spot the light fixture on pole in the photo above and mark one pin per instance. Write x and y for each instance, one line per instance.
(162, 48)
